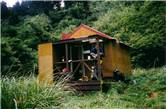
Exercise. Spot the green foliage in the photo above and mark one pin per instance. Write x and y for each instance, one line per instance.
(135, 95)
(12, 59)
(141, 25)
(19, 43)
(24, 93)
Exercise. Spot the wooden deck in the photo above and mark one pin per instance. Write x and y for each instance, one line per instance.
(92, 85)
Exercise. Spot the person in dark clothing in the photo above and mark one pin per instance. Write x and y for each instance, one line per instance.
(93, 51)
(118, 76)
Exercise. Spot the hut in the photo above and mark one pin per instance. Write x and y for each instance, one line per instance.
(89, 55)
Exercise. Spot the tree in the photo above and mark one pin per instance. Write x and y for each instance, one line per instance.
(4, 10)
(140, 25)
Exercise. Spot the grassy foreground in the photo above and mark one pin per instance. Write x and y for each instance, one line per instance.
(148, 91)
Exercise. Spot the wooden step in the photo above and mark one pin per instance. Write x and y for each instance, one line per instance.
(84, 85)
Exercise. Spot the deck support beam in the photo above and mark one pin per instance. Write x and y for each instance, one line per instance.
(98, 59)
(83, 67)
(66, 51)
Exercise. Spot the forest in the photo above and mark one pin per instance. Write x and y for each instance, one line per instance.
(141, 25)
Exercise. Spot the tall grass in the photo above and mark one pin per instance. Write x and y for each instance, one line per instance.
(24, 93)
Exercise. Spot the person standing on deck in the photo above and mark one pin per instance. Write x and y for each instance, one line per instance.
(93, 53)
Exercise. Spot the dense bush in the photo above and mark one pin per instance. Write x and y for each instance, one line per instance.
(141, 25)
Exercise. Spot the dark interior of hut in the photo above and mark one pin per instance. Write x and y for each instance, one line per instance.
(76, 59)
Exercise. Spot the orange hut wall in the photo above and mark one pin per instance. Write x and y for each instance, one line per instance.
(82, 32)
(45, 61)
(116, 57)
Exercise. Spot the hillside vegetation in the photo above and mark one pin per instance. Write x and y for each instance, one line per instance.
(140, 25)
(148, 91)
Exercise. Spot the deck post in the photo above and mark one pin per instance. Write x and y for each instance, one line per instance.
(71, 63)
(82, 61)
(98, 59)
(98, 63)
(66, 52)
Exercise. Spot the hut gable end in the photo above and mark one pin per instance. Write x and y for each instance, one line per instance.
(84, 31)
